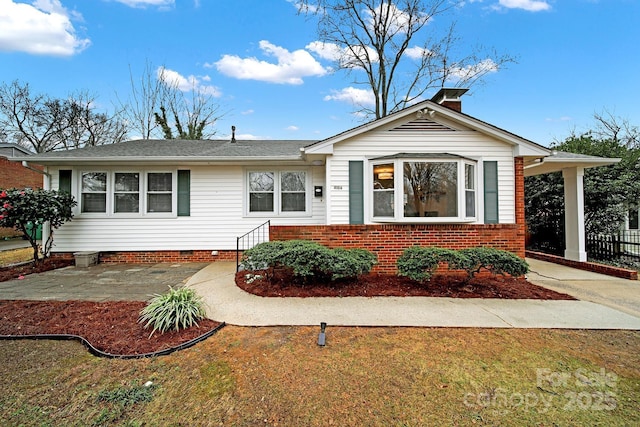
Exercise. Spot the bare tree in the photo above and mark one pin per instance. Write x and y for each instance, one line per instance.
(193, 111)
(138, 112)
(165, 105)
(610, 127)
(41, 123)
(85, 127)
(392, 47)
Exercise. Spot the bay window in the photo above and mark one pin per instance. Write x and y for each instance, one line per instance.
(424, 188)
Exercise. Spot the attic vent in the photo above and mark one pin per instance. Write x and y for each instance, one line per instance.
(421, 125)
(233, 134)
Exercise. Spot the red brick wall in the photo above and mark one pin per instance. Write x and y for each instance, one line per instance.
(388, 241)
(14, 175)
(153, 257)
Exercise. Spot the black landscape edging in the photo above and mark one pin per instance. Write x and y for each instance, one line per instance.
(94, 351)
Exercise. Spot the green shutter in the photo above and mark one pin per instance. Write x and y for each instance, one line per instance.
(64, 181)
(356, 192)
(184, 192)
(490, 192)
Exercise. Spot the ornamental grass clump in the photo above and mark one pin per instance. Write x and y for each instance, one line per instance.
(177, 309)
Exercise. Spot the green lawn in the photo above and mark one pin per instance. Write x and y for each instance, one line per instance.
(364, 376)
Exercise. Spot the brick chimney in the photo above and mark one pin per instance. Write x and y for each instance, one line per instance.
(450, 98)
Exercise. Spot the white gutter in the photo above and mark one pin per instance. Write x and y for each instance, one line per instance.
(25, 164)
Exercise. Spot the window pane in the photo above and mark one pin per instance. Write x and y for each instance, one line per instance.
(261, 181)
(383, 203)
(94, 181)
(383, 189)
(470, 202)
(383, 176)
(94, 202)
(430, 189)
(127, 182)
(293, 181)
(159, 181)
(127, 202)
(293, 202)
(469, 177)
(261, 202)
(159, 203)
(470, 193)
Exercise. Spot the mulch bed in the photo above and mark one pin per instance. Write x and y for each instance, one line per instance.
(371, 285)
(111, 327)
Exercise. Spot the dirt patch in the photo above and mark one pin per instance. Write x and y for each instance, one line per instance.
(372, 285)
(111, 327)
(47, 264)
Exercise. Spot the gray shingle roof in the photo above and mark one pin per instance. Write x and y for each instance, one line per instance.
(179, 150)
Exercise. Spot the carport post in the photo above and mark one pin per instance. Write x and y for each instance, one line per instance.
(574, 214)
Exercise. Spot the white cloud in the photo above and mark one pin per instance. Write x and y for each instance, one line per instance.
(41, 28)
(290, 68)
(352, 95)
(416, 52)
(292, 128)
(529, 5)
(187, 84)
(344, 56)
(247, 112)
(145, 3)
(398, 20)
(304, 7)
(482, 67)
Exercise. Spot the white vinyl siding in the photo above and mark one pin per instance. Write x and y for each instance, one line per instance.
(216, 217)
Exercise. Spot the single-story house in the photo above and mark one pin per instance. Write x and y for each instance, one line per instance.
(426, 175)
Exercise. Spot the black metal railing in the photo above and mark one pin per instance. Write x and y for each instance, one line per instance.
(248, 240)
(624, 246)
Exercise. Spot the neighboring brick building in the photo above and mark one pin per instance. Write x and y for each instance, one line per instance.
(14, 175)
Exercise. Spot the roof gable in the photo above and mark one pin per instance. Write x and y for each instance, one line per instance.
(428, 116)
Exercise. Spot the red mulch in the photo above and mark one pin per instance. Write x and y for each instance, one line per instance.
(371, 285)
(9, 273)
(111, 327)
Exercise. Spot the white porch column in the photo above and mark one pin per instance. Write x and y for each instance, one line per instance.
(574, 214)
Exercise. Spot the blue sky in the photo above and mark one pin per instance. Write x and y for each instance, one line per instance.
(575, 57)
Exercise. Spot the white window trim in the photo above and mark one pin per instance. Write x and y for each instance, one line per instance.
(277, 212)
(399, 217)
(110, 202)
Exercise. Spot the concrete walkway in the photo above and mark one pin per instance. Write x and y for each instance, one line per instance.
(621, 294)
(226, 302)
(102, 282)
